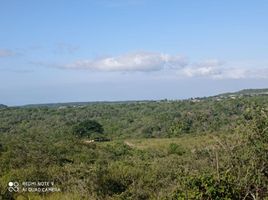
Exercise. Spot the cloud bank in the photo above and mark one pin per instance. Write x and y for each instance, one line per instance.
(205, 68)
(217, 69)
(141, 61)
(174, 66)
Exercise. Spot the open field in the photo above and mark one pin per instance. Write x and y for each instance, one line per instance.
(187, 142)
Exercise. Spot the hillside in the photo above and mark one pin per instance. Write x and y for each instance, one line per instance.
(247, 92)
(158, 149)
(3, 106)
(253, 91)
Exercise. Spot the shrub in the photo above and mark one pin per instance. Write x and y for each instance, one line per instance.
(175, 149)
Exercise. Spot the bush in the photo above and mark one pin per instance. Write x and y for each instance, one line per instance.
(208, 187)
(175, 149)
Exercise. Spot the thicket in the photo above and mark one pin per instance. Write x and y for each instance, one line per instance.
(38, 144)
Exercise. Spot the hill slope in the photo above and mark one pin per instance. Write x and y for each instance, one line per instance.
(250, 92)
(3, 106)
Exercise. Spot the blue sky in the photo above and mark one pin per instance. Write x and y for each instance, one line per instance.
(88, 50)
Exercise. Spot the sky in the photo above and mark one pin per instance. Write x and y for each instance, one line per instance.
(107, 50)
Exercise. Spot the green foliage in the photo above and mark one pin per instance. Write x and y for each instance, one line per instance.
(208, 187)
(175, 149)
(221, 149)
(87, 128)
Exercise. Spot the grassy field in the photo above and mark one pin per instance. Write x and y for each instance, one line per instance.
(187, 142)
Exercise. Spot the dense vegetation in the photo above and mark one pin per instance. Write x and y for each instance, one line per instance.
(208, 148)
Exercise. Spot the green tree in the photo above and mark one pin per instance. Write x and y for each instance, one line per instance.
(87, 128)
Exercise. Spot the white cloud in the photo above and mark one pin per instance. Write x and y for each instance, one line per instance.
(201, 71)
(233, 73)
(203, 68)
(210, 63)
(166, 65)
(140, 61)
(6, 53)
(217, 69)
